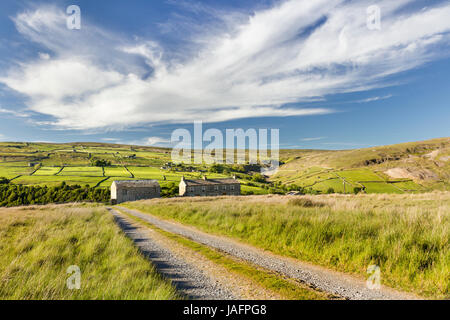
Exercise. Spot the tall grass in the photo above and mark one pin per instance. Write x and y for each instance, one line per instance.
(38, 244)
(406, 235)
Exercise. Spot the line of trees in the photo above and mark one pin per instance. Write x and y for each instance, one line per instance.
(12, 195)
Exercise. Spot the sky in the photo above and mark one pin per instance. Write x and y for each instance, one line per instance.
(319, 71)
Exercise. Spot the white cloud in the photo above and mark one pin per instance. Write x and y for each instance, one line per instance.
(312, 139)
(19, 114)
(372, 99)
(345, 144)
(151, 141)
(44, 56)
(96, 79)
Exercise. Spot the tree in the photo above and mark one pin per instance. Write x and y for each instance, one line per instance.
(169, 190)
(357, 190)
(100, 163)
(258, 178)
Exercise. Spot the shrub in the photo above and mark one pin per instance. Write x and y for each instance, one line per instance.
(100, 163)
(275, 191)
(330, 191)
(258, 178)
(357, 190)
(170, 190)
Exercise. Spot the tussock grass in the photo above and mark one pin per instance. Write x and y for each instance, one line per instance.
(38, 244)
(305, 202)
(406, 235)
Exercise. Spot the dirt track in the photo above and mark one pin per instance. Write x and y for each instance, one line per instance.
(335, 283)
(191, 273)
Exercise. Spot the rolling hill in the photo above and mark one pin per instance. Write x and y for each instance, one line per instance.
(408, 167)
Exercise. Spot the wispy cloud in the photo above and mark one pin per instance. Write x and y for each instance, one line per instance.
(296, 51)
(156, 141)
(3, 137)
(372, 99)
(14, 113)
(344, 145)
(312, 139)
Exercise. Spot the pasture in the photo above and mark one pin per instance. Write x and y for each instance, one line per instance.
(316, 171)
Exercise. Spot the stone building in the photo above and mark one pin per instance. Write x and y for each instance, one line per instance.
(209, 187)
(132, 190)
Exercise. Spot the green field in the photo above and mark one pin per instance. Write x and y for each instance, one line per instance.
(314, 170)
(82, 172)
(9, 170)
(54, 180)
(359, 175)
(253, 190)
(117, 172)
(47, 171)
(373, 187)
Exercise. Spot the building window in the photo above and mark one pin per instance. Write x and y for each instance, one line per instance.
(224, 187)
(203, 188)
(191, 189)
(216, 188)
(232, 187)
(124, 192)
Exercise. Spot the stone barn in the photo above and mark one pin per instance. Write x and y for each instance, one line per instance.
(209, 187)
(132, 190)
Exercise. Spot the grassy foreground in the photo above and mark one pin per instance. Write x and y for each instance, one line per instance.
(38, 244)
(287, 289)
(406, 235)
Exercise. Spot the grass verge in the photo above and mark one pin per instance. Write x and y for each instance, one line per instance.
(38, 244)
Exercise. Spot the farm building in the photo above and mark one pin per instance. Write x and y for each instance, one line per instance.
(132, 190)
(209, 187)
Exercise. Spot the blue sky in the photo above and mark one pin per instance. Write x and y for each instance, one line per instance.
(137, 70)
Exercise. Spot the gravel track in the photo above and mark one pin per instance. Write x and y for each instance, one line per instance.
(189, 280)
(336, 283)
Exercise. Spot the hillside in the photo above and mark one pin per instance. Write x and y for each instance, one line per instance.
(408, 167)
(74, 163)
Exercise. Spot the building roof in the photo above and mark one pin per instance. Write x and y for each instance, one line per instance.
(202, 182)
(136, 183)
